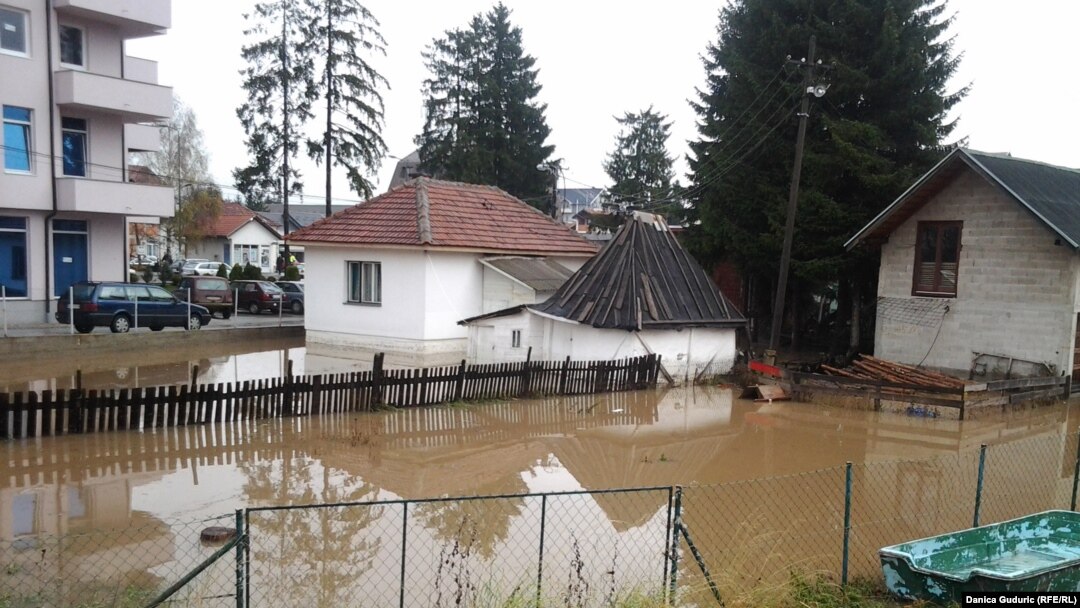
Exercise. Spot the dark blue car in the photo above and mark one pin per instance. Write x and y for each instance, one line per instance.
(113, 305)
(293, 296)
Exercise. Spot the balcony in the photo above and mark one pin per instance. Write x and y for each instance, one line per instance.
(132, 101)
(140, 70)
(119, 198)
(142, 138)
(134, 18)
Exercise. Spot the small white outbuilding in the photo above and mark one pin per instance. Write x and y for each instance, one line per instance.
(642, 294)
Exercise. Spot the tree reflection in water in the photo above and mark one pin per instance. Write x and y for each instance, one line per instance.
(315, 556)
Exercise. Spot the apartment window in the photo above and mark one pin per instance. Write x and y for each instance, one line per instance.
(72, 46)
(256, 255)
(365, 282)
(13, 256)
(74, 144)
(16, 139)
(937, 259)
(515, 338)
(13, 28)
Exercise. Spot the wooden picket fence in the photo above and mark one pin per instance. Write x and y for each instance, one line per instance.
(34, 414)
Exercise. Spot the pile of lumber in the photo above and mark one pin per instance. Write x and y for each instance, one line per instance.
(877, 370)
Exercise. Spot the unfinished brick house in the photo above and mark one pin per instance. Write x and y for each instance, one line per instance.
(979, 268)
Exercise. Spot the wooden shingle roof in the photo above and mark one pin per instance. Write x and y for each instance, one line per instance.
(426, 212)
(643, 279)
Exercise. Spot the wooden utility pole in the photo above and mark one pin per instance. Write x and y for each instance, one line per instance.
(793, 201)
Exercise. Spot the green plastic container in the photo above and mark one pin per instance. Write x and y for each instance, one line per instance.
(1039, 552)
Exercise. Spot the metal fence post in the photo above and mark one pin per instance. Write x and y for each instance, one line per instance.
(847, 524)
(979, 485)
(71, 310)
(189, 308)
(540, 563)
(242, 533)
(247, 558)
(676, 526)
(1076, 474)
(3, 296)
(236, 302)
(404, 538)
(136, 312)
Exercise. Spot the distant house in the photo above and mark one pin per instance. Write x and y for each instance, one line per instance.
(396, 273)
(238, 236)
(575, 200)
(642, 294)
(979, 268)
(407, 168)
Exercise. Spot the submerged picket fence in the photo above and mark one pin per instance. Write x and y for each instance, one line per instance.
(46, 413)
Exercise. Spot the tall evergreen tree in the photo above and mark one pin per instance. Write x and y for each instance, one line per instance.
(483, 123)
(280, 86)
(880, 125)
(342, 33)
(640, 166)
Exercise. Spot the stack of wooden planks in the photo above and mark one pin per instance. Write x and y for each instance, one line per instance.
(877, 370)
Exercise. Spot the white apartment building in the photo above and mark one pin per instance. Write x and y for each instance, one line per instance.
(75, 106)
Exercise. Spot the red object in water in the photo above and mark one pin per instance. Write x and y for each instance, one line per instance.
(768, 370)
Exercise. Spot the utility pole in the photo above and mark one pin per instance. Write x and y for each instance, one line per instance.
(793, 199)
(285, 127)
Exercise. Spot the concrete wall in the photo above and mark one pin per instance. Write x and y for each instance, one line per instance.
(1016, 289)
(685, 353)
(502, 292)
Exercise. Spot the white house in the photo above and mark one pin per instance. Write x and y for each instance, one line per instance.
(74, 106)
(979, 269)
(642, 294)
(238, 236)
(396, 273)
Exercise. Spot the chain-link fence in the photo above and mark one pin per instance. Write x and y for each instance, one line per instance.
(733, 541)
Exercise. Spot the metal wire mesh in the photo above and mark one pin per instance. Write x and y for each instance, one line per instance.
(108, 568)
(1027, 476)
(579, 549)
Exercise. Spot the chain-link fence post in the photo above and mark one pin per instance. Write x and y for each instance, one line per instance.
(676, 524)
(540, 561)
(979, 485)
(241, 533)
(847, 524)
(404, 545)
(1076, 475)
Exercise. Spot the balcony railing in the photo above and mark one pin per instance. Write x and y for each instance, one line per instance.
(121, 198)
(134, 18)
(133, 101)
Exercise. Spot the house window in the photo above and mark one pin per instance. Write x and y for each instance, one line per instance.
(13, 256)
(72, 47)
(74, 144)
(365, 282)
(937, 259)
(515, 338)
(256, 255)
(16, 139)
(13, 39)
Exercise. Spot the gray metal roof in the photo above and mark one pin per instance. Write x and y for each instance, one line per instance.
(540, 274)
(1050, 193)
(643, 279)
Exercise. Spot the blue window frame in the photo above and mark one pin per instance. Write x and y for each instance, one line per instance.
(13, 256)
(17, 139)
(74, 145)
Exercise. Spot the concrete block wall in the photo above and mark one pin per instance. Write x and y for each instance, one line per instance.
(1016, 289)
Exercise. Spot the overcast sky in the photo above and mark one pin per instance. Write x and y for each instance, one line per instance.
(598, 59)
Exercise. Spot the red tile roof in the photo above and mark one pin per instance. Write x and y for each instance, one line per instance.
(433, 213)
(233, 217)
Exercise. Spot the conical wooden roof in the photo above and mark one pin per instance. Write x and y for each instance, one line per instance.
(642, 279)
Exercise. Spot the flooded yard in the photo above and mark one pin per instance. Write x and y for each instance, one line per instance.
(144, 495)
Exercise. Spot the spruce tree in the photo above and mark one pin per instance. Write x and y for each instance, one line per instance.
(483, 123)
(341, 33)
(640, 166)
(279, 81)
(880, 125)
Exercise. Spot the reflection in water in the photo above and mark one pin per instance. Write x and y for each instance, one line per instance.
(131, 484)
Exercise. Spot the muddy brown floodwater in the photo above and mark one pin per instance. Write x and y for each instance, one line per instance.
(149, 480)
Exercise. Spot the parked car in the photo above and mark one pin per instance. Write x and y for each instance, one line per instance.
(292, 296)
(113, 305)
(257, 296)
(212, 292)
(189, 266)
(208, 269)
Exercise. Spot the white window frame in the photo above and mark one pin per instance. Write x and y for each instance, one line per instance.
(26, 33)
(29, 139)
(25, 231)
(357, 295)
(83, 50)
